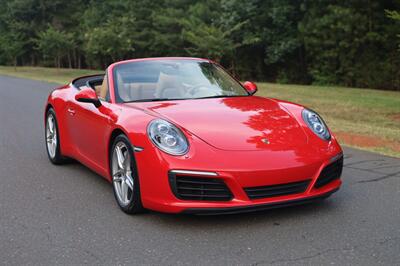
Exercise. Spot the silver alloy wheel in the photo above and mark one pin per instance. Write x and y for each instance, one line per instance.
(122, 173)
(51, 135)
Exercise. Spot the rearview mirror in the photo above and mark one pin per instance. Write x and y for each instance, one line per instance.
(250, 87)
(88, 95)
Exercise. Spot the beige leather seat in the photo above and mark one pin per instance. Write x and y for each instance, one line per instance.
(141, 91)
(168, 87)
(97, 89)
(123, 89)
(102, 90)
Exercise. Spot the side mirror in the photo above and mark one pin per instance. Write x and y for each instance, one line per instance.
(88, 95)
(250, 87)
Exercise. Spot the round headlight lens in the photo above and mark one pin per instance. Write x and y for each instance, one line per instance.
(316, 124)
(167, 137)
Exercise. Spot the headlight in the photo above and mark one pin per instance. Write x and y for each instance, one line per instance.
(167, 137)
(315, 122)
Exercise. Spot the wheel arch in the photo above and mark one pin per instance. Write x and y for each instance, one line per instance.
(48, 106)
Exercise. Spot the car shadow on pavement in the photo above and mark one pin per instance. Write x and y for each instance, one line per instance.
(273, 217)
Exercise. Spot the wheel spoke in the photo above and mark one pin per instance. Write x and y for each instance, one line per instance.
(51, 125)
(120, 157)
(124, 191)
(126, 161)
(129, 182)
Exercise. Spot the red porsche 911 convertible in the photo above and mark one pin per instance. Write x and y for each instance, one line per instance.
(181, 135)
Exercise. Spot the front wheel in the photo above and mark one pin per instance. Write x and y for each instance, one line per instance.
(125, 176)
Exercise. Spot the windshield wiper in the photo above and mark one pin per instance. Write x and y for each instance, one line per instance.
(176, 99)
(150, 100)
(218, 96)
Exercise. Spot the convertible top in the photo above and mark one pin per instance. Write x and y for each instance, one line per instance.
(82, 81)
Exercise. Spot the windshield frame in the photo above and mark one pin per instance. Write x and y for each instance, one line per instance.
(118, 99)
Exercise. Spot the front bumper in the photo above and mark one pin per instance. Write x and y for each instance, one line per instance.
(158, 193)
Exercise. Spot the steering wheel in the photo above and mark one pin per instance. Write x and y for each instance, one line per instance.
(196, 89)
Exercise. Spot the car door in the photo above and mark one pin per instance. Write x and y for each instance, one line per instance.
(88, 129)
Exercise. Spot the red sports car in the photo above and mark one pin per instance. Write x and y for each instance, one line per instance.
(181, 135)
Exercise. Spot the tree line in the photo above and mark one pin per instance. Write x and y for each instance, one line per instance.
(337, 42)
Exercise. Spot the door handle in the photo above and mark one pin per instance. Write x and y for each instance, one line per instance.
(71, 111)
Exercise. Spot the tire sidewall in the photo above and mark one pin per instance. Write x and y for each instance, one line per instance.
(135, 206)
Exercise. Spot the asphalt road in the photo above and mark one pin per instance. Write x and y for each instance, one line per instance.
(52, 215)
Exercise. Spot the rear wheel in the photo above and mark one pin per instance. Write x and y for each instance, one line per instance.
(53, 138)
(125, 176)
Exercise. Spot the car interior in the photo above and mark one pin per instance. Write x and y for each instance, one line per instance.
(161, 81)
(95, 82)
(167, 86)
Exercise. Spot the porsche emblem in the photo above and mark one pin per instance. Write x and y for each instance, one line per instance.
(264, 140)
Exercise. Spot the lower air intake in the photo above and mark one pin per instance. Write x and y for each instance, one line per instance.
(277, 190)
(331, 172)
(199, 188)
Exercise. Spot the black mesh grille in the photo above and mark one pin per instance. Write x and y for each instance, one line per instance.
(276, 190)
(329, 173)
(198, 188)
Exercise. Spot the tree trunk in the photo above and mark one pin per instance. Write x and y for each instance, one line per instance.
(58, 64)
(74, 58)
(79, 62)
(69, 60)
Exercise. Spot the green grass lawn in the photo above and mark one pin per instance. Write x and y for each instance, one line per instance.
(363, 118)
(61, 76)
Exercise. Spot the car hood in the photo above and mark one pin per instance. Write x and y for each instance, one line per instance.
(234, 123)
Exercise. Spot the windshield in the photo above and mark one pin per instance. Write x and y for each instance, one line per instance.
(160, 80)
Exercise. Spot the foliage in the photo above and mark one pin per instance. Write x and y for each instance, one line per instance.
(111, 41)
(350, 43)
(395, 15)
(53, 43)
(11, 47)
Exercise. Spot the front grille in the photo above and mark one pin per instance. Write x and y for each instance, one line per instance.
(198, 188)
(276, 190)
(331, 172)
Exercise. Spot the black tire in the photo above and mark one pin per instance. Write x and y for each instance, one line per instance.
(135, 205)
(58, 158)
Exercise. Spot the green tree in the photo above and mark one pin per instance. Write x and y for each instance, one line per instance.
(322, 41)
(349, 43)
(207, 35)
(53, 43)
(110, 42)
(395, 15)
(12, 46)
